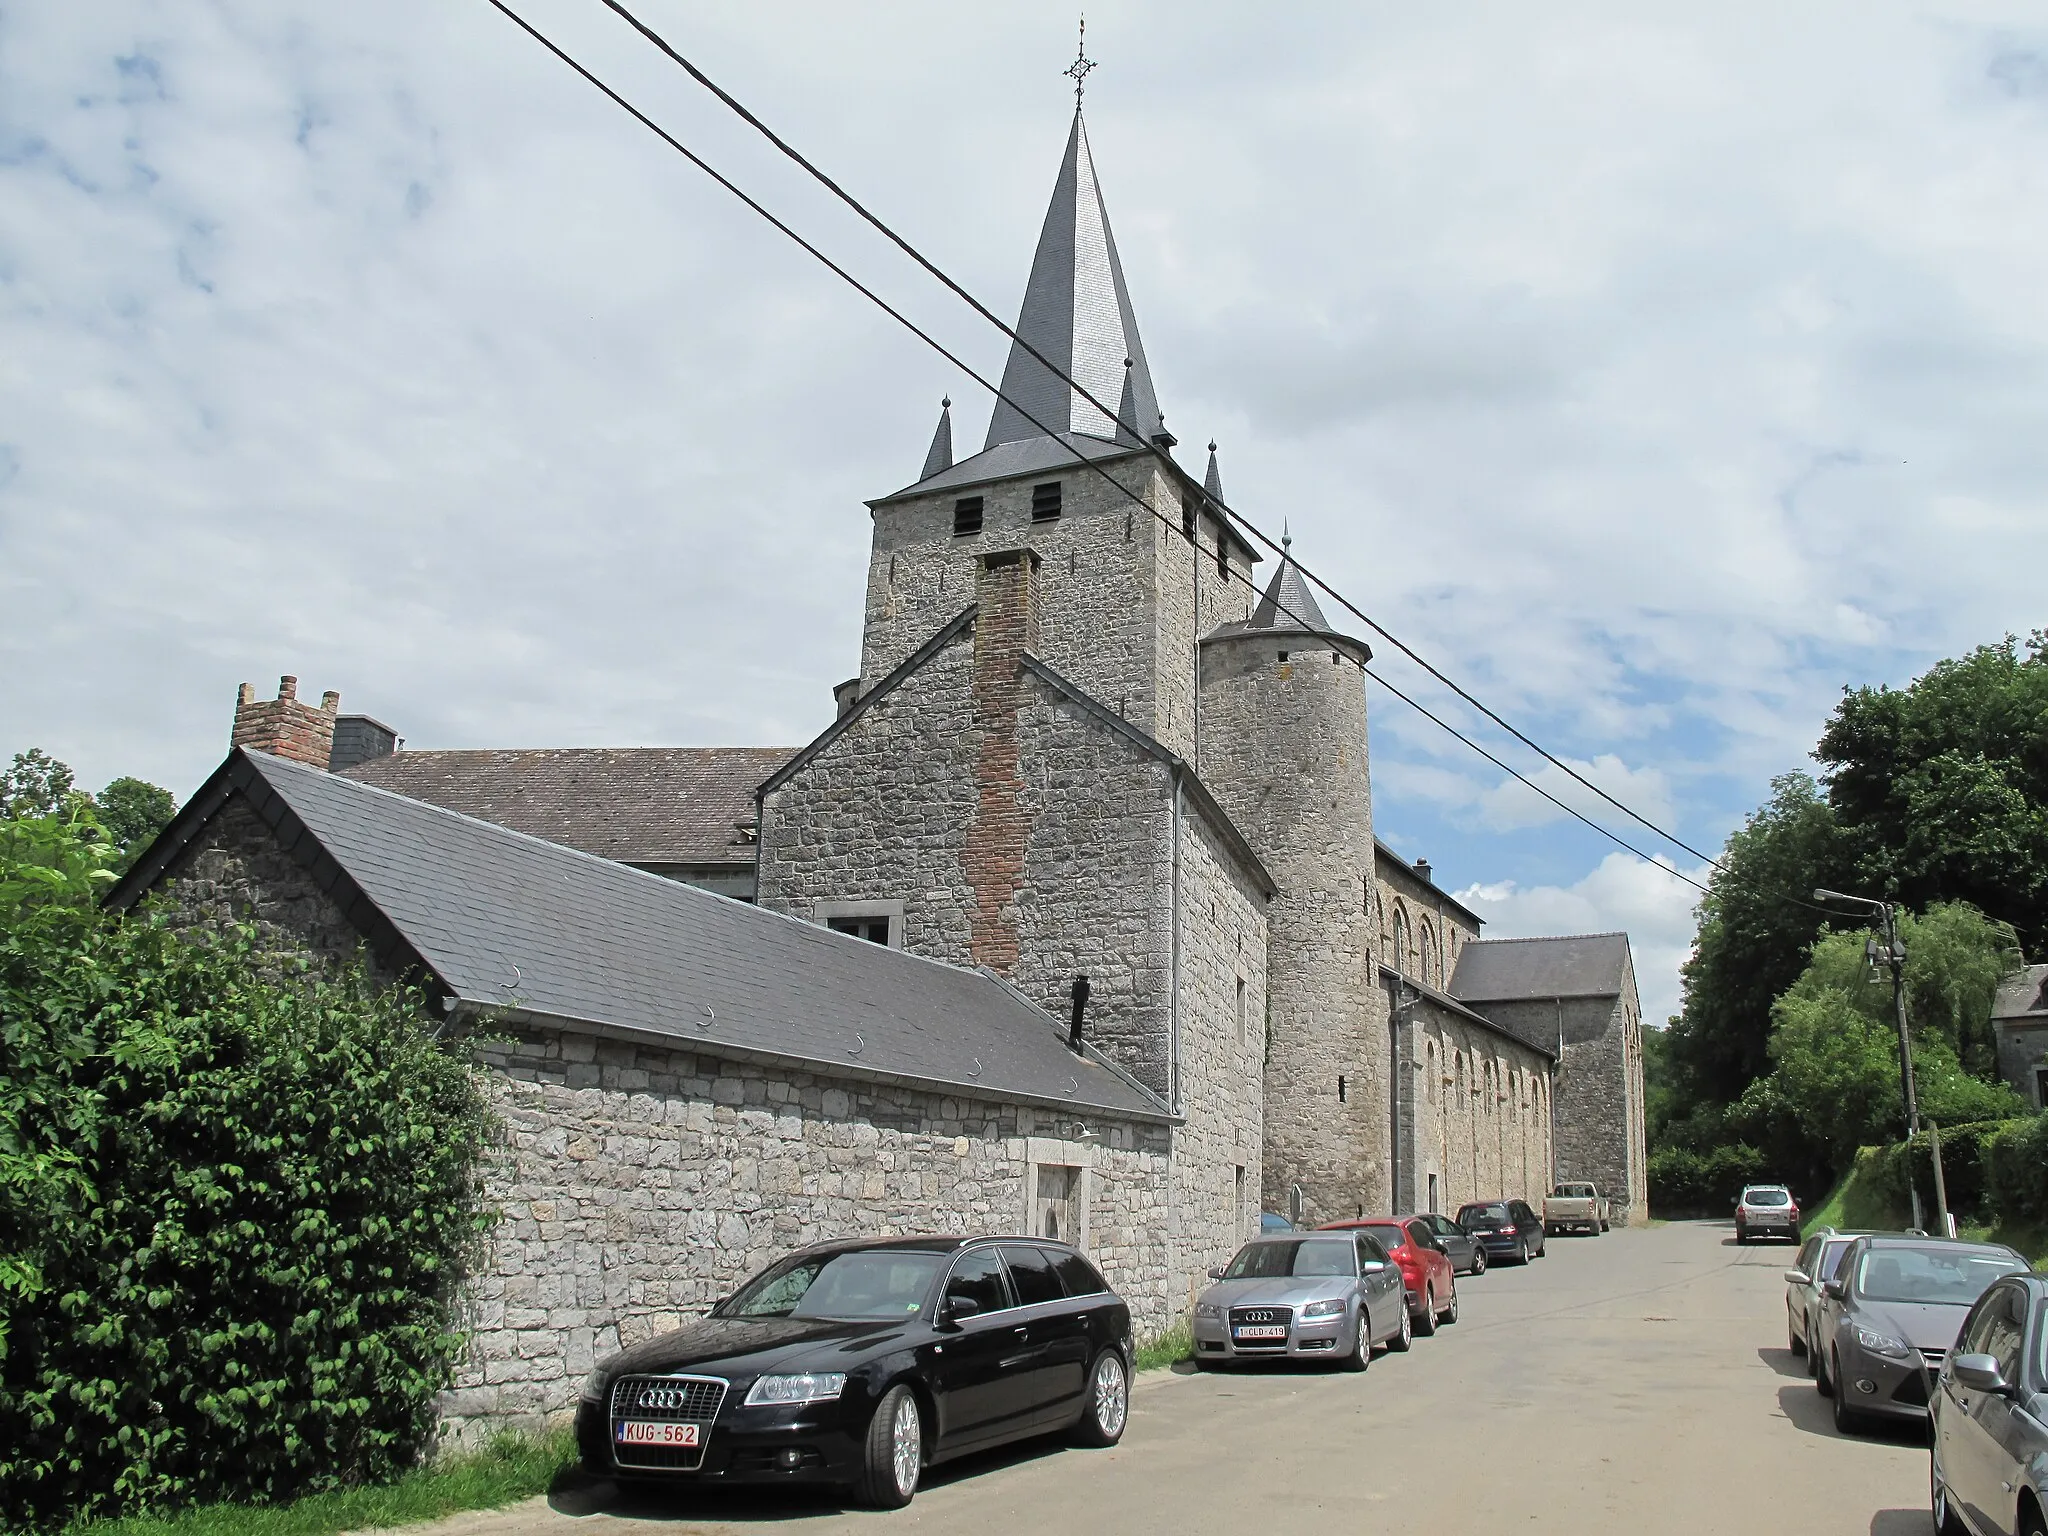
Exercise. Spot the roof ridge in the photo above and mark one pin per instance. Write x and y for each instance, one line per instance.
(1550, 938)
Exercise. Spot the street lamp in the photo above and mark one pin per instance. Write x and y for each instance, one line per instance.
(1892, 954)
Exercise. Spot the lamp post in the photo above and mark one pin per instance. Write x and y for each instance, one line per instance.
(1892, 955)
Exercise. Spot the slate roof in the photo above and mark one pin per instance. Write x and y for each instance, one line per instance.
(1516, 970)
(2023, 994)
(639, 805)
(506, 921)
(1077, 315)
(1289, 602)
(1031, 456)
(1450, 1004)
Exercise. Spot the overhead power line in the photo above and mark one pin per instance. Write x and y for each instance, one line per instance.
(1082, 461)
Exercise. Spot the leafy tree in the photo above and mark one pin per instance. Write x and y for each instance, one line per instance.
(134, 811)
(35, 785)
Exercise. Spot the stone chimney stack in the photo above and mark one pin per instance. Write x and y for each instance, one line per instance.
(284, 727)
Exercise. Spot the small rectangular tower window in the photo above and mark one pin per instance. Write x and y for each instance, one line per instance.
(1045, 502)
(874, 929)
(1187, 520)
(967, 515)
(1222, 555)
(1241, 990)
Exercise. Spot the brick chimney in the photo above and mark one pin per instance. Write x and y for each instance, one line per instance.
(1005, 628)
(284, 727)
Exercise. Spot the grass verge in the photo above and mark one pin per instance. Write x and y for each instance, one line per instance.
(1853, 1205)
(509, 1468)
(1169, 1348)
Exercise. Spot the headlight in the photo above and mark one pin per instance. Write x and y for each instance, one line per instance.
(1207, 1309)
(1884, 1344)
(1332, 1308)
(593, 1386)
(810, 1387)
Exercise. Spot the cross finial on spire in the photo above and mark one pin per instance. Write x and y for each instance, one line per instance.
(1081, 65)
(1286, 538)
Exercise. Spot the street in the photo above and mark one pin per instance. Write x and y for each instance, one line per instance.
(1633, 1382)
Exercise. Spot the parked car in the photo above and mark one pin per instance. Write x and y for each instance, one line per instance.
(864, 1362)
(1817, 1260)
(1426, 1272)
(1303, 1296)
(1574, 1208)
(1766, 1210)
(1273, 1221)
(1468, 1254)
(1508, 1229)
(1890, 1315)
(1989, 1475)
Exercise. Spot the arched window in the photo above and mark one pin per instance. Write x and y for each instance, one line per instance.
(1400, 940)
(1427, 968)
(1429, 1082)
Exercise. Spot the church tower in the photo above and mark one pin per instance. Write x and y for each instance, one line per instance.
(1284, 748)
(1133, 564)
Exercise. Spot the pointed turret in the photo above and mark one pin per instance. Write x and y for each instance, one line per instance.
(1288, 603)
(1212, 482)
(1078, 316)
(940, 458)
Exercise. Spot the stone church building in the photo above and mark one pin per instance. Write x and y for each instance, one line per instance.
(1072, 919)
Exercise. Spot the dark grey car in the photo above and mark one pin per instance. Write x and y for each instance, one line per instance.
(1467, 1253)
(1890, 1315)
(1989, 1473)
(1327, 1296)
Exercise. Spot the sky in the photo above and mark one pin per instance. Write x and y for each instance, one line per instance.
(1654, 371)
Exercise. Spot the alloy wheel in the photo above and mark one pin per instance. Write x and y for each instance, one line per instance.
(1478, 1261)
(1451, 1312)
(1112, 1394)
(906, 1445)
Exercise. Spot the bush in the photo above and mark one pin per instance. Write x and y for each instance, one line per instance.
(236, 1203)
(1965, 1154)
(1684, 1182)
(2016, 1171)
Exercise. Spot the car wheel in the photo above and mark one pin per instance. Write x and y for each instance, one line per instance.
(1740, 1235)
(1946, 1521)
(1605, 1226)
(1425, 1319)
(1450, 1314)
(2031, 1523)
(894, 1455)
(1822, 1382)
(1106, 1407)
(1793, 1339)
(1847, 1420)
(1405, 1334)
(1360, 1355)
(1812, 1356)
(1478, 1260)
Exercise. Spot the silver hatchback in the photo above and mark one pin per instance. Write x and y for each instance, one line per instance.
(1327, 1296)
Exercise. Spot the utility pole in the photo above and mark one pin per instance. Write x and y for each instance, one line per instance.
(1893, 957)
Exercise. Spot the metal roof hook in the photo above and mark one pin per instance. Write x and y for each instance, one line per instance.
(860, 1043)
(1073, 1087)
(975, 1070)
(709, 1015)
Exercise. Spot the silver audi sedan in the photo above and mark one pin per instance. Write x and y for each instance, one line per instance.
(1327, 1296)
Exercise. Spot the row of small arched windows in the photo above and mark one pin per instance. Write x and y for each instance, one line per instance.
(1485, 1077)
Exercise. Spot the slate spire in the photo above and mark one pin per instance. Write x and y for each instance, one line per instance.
(1212, 482)
(1077, 313)
(1289, 603)
(940, 457)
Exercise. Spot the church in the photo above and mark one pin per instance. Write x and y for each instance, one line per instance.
(1073, 918)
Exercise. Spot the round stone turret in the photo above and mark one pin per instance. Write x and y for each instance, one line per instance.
(1284, 750)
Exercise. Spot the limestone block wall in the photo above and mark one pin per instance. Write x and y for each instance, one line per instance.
(639, 1183)
(1420, 933)
(1480, 1114)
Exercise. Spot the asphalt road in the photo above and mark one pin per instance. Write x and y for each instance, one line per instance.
(1637, 1381)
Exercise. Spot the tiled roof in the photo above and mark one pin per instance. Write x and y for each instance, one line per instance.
(1515, 970)
(639, 805)
(506, 921)
(2022, 994)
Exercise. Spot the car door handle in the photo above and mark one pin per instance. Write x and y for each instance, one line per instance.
(1022, 1331)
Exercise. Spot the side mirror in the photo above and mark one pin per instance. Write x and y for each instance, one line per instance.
(1980, 1373)
(1216, 1272)
(960, 1307)
(1836, 1289)
(1798, 1277)
(1370, 1266)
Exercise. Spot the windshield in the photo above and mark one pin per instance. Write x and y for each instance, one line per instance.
(869, 1284)
(1468, 1214)
(1765, 1197)
(1575, 1191)
(1265, 1261)
(1945, 1276)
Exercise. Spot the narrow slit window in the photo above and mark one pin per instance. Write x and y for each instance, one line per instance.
(1045, 502)
(1187, 520)
(966, 515)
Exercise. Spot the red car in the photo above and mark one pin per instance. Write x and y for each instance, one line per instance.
(1426, 1272)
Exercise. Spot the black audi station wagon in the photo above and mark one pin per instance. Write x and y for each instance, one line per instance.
(861, 1363)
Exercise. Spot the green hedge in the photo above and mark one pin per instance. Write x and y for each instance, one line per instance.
(1993, 1169)
(235, 1210)
(1684, 1182)
(2016, 1170)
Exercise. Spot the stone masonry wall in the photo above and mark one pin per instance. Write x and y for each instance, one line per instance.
(1481, 1114)
(1432, 931)
(639, 1183)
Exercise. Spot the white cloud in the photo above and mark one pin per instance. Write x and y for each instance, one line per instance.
(1512, 804)
(1646, 900)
